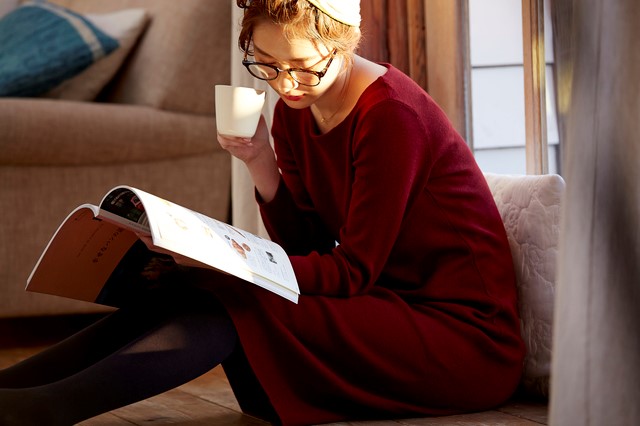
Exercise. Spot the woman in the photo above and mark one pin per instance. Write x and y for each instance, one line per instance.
(408, 302)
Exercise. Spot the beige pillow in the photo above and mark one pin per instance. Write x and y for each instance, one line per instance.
(126, 26)
(7, 6)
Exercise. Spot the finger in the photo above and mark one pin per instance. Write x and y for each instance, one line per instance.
(237, 145)
(233, 138)
(226, 142)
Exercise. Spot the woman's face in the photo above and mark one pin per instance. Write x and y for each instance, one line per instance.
(272, 47)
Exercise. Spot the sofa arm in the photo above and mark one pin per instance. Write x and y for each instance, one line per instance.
(55, 155)
(54, 132)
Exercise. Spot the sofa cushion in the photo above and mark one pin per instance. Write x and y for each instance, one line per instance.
(126, 26)
(530, 209)
(43, 45)
(47, 132)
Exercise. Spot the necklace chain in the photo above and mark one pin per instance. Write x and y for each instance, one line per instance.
(324, 119)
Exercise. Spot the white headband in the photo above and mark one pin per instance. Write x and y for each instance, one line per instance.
(345, 11)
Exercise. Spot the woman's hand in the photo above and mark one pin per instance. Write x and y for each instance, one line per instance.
(249, 149)
(258, 155)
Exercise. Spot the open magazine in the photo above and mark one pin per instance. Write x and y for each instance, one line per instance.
(94, 244)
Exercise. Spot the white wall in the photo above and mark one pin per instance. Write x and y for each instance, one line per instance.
(497, 86)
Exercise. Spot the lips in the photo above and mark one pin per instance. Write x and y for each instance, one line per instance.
(292, 98)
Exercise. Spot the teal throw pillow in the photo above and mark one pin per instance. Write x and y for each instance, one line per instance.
(42, 45)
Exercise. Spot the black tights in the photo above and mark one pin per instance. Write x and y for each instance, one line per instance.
(147, 348)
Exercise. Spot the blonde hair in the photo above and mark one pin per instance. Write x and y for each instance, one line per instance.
(298, 19)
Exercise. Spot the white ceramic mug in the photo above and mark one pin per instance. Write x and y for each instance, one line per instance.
(238, 110)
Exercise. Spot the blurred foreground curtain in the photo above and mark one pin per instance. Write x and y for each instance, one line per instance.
(596, 354)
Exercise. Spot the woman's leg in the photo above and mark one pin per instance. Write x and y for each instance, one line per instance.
(252, 398)
(84, 348)
(133, 354)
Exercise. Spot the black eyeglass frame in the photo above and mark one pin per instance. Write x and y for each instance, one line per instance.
(247, 64)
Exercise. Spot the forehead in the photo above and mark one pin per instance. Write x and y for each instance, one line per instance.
(269, 39)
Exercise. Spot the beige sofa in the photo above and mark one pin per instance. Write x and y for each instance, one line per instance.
(154, 128)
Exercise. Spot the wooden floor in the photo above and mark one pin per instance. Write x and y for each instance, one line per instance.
(209, 400)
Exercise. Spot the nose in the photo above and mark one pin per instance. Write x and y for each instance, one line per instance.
(286, 83)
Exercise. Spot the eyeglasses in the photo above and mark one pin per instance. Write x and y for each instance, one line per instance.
(302, 76)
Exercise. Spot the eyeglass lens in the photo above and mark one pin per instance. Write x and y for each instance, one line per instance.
(266, 72)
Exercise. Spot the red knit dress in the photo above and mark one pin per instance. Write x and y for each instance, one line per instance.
(408, 302)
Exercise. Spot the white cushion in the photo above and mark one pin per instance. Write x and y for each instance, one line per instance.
(530, 209)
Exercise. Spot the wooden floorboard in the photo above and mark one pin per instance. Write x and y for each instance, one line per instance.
(178, 407)
(209, 400)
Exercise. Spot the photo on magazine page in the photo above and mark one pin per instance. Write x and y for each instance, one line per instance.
(125, 203)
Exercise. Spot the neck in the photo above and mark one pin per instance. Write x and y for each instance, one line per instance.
(329, 109)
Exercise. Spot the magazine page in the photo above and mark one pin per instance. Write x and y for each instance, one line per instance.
(211, 242)
(81, 256)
